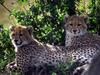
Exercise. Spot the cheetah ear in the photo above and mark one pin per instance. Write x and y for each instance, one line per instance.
(11, 28)
(65, 21)
(30, 29)
(85, 18)
(65, 18)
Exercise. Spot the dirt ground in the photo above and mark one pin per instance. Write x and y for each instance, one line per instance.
(4, 14)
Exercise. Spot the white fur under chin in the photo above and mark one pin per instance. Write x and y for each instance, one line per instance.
(68, 40)
(70, 36)
(17, 46)
(77, 34)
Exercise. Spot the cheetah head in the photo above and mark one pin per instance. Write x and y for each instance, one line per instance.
(21, 35)
(75, 25)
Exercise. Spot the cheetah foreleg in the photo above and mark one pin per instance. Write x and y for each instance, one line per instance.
(81, 70)
(11, 66)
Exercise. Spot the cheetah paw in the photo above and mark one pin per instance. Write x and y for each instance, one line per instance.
(11, 66)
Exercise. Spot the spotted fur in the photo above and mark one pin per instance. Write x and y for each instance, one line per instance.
(86, 45)
(30, 52)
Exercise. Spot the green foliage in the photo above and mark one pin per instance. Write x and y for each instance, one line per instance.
(94, 16)
(46, 19)
(63, 68)
(6, 49)
(22, 2)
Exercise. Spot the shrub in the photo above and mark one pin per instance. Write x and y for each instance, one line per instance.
(46, 19)
(6, 48)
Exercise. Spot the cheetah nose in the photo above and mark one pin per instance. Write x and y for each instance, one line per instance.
(74, 31)
(15, 40)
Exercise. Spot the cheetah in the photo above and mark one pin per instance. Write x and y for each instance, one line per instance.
(78, 36)
(30, 52)
(76, 32)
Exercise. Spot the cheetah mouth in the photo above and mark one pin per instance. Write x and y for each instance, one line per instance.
(18, 43)
(76, 33)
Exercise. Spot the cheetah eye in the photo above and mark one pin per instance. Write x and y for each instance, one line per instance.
(20, 34)
(71, 24)
(79, 24)
(13, 34)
